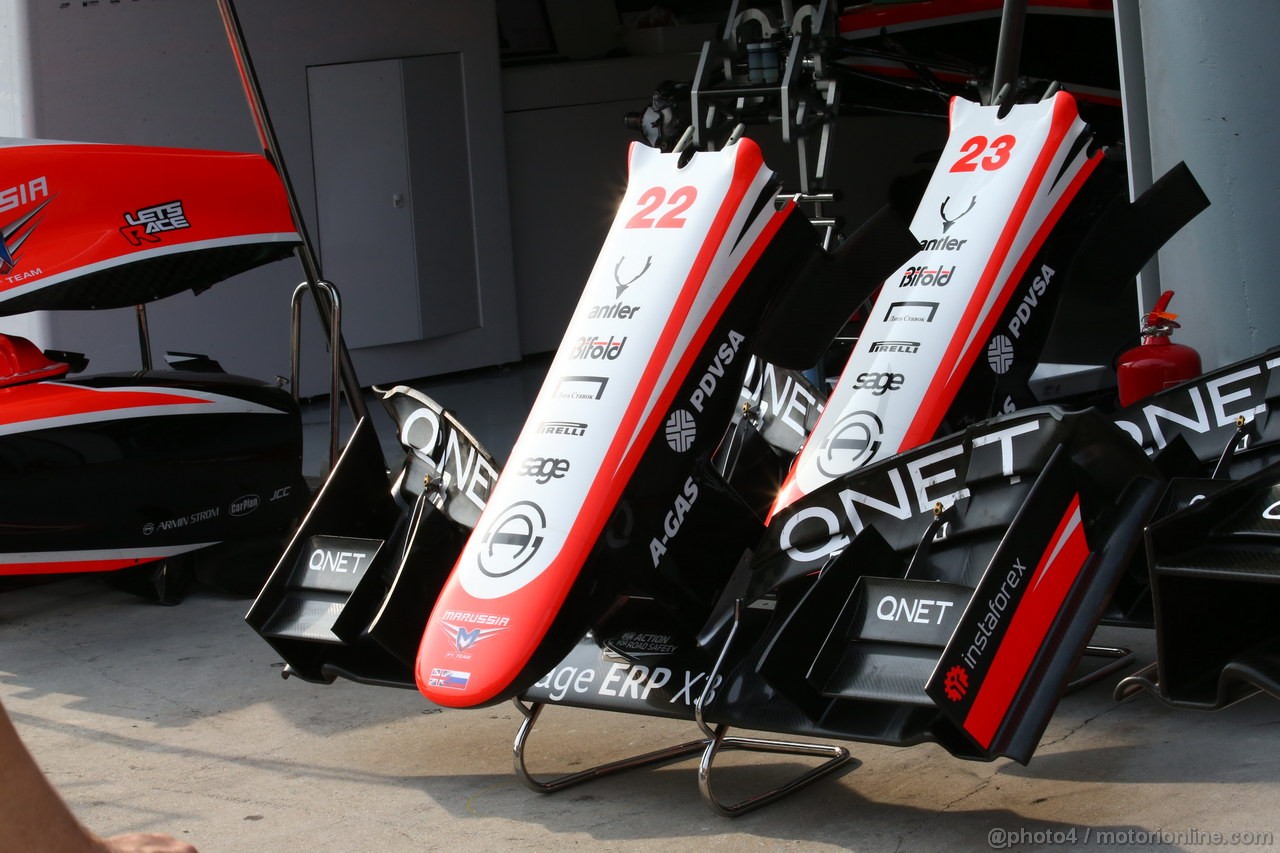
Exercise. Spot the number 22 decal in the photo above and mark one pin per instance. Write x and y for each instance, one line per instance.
(653, 198)
(997, 153)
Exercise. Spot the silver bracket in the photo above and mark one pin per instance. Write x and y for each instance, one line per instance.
(837, 756)
(648, 759)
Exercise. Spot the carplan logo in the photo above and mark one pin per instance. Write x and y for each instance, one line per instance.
(512, 539)
(911, 312)
(853, 442)
(146, 224)
(1000, 354)
(581, 387)
(244, 505)
(681, 430)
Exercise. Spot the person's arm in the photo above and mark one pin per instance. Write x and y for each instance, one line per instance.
(34, 817)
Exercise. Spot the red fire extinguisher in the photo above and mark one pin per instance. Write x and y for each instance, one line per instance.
(1156, 363)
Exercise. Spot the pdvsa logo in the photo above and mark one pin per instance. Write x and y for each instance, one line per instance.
(512, 539)
(878, 383)
(595, 349)
(1000, 354)
(146, 224)
(544, 469)
(681, 430)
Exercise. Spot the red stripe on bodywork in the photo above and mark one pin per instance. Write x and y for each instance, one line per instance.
(1057, 570)
(44, 400)
(545, 594)
(63, 567)
(946, 383)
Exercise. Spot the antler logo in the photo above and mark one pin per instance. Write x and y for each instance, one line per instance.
(948, 222)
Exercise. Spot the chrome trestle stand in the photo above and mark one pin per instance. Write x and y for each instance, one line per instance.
(716, 739)
(1120, 658)
(648, 759)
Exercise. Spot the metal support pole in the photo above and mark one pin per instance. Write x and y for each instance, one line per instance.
(1009, 49)
(306, 251)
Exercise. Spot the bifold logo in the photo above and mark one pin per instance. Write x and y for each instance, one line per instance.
(925, 277)
(911, 312)
(594, 349)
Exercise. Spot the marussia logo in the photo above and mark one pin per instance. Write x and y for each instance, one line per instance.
(464, 638)
(15, 233)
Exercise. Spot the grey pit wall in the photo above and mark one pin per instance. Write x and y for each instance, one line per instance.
(1211, 70)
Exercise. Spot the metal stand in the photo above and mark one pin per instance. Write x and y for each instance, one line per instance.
(329, 305)
(1120, 659)
(648, 759)
(718, 738)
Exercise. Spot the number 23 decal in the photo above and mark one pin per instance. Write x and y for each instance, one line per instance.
(655, 197)
(972, 153)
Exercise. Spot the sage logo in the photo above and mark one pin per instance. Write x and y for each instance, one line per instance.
(595, 349)
(853, 442)
(544, 469)
(511, 539)
(681, 430)
(895, 346)
(878, 383)
(1000, 354)
(911, 312)
(581, 387)
(244, 505)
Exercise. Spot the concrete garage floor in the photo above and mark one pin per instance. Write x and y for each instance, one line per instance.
(176, 719)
